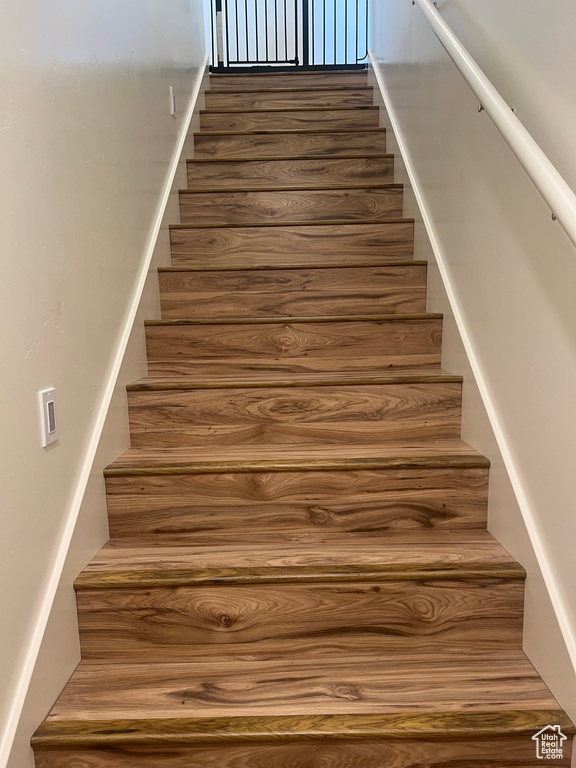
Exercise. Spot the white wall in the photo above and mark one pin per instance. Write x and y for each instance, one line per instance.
(87, 147)
(509, 271)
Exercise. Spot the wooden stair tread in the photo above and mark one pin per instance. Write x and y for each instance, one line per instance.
(294, 457)
(372, 684)
(299, 224)
(290, 190)
(400, 317)
(270, 539)
(299, 89)
(279, 158)
(280, 131)
(344, 107)
(163, 731)
(264, 559)
(394, 376)
(291, 266)
(287, 91)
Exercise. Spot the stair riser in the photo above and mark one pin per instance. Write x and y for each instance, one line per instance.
(285, 144)
(362, 414)
(318, 245)
(169, 624)
(293, 293)
(311, 346)
(380, 501)
(293, 173)
(290, 206)
(292, 81)
(488, 752)
(328, 97)
(325, 120)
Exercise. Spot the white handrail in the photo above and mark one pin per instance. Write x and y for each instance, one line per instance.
(545, 177)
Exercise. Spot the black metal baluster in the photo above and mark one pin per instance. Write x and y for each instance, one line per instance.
(296, 41)
(257, 59)
(276, 28)
(225, 14)
(305, 33)
(285, 32)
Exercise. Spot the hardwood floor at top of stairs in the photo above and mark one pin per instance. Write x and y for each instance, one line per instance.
(299, 573)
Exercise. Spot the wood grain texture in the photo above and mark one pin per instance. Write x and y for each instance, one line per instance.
(277, 80)
(293, 292)
(394, 376)
(262, 207)
(287, 345)
(296, 143)
(434, 725)
(304, 415)
(295, 173)
(245, 101)
(422, 552)
(379, 501)
(307, 246)
(487, 752)
(291, 120)
(187, 623)
(394, 683)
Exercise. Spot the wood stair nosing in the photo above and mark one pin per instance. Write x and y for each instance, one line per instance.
(395, 318)
(279, 131)
(307, 89)
(136, 469)
(320, 223)
(344, 108)
(449, 453)
(151, 384)
(290, 158)
(377, 185)
(437, 725)
(290, 266)
(163, 578)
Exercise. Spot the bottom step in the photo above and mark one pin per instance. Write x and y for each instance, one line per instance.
(355, 712)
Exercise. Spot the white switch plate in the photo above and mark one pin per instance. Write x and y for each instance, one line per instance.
(172, 102)
(48, 416)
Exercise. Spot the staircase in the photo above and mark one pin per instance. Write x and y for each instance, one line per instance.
(299, 573)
